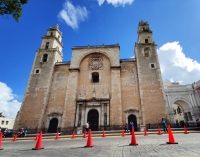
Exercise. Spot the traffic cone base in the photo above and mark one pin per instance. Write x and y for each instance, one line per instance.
(37, 148)
(172, 142)
(133, 144)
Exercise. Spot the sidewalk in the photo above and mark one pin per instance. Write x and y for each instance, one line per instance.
(94, 134)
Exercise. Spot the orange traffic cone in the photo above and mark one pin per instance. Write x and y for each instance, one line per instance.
(1, 141)
(185, 130)
(15, 138)
(89, 141)
(133, 138)
(73, 134)
(84, 135)
(123, 133)
(36, 137)
(171, 136)
(159, 133)
(145, 132)
(57, 136)
(103, 134)
(39, 143)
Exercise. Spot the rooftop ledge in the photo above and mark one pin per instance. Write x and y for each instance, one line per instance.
(95, 46)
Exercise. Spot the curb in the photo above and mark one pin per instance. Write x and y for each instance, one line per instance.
(94, 135)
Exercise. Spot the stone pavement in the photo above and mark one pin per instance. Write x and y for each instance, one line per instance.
(112, 146)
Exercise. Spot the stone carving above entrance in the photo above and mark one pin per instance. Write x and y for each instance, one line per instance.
(95, 62)
(55, 114)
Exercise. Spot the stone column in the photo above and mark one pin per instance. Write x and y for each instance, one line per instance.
(68, 119)
(108, 113)
(77, 115)
(115, 102)
(83, 115)
(102, 114)
(194, 99)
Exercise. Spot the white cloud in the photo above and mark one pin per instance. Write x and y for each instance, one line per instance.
(73, 15)
(8, 105)
(116, 2)
(175, 66)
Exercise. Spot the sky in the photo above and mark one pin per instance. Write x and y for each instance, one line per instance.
(175, 25)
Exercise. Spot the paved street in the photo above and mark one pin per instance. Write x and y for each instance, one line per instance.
(148, 146)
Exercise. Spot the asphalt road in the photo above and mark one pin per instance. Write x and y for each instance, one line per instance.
(116, 146)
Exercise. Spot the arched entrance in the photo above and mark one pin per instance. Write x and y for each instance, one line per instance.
(53, 125)
(182, 113)
(132, 118)
(93, 119)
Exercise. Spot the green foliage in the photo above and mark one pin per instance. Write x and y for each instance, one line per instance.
(12, 7)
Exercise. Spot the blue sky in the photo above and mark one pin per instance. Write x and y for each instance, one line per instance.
(175, 25)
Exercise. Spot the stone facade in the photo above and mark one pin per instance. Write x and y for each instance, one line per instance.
(96, 86)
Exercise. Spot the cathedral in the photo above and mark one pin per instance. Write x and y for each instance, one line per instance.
(96, 86)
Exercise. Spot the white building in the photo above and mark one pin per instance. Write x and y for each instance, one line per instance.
(183, 101)
(6, 123)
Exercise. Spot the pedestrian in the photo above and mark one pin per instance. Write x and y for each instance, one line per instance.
(164, 124)
(198, 122)
(126, 127)
(87, 127)
(131, 126)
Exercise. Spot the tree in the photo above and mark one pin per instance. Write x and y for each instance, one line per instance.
(12, 7)
(1, 114)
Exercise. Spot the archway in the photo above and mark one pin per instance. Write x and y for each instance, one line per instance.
(53, 125)
(132, 118)
(93, 119)
(182, 113)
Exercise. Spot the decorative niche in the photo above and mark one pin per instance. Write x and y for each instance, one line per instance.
(147, 51)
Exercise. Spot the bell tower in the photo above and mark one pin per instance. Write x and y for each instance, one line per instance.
(151, 90)
(37, 92)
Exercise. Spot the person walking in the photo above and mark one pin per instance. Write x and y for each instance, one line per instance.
(164, 124)
(126, 127)
(131, 126)
(87, 127)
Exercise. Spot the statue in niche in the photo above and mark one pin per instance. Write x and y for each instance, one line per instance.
(146, 52)
(79, 120)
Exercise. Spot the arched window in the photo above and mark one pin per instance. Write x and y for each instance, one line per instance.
(47, 45)
(146, 41)
(95, 77)
(45, 57)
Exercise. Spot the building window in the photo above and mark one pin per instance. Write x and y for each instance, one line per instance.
(47, 45)
(37, 71)
(2, 122)
(95, 77)
(146, 41)
(146, 51)
(152, 65)
(51, 33)
(6, 122)
(45, 57)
